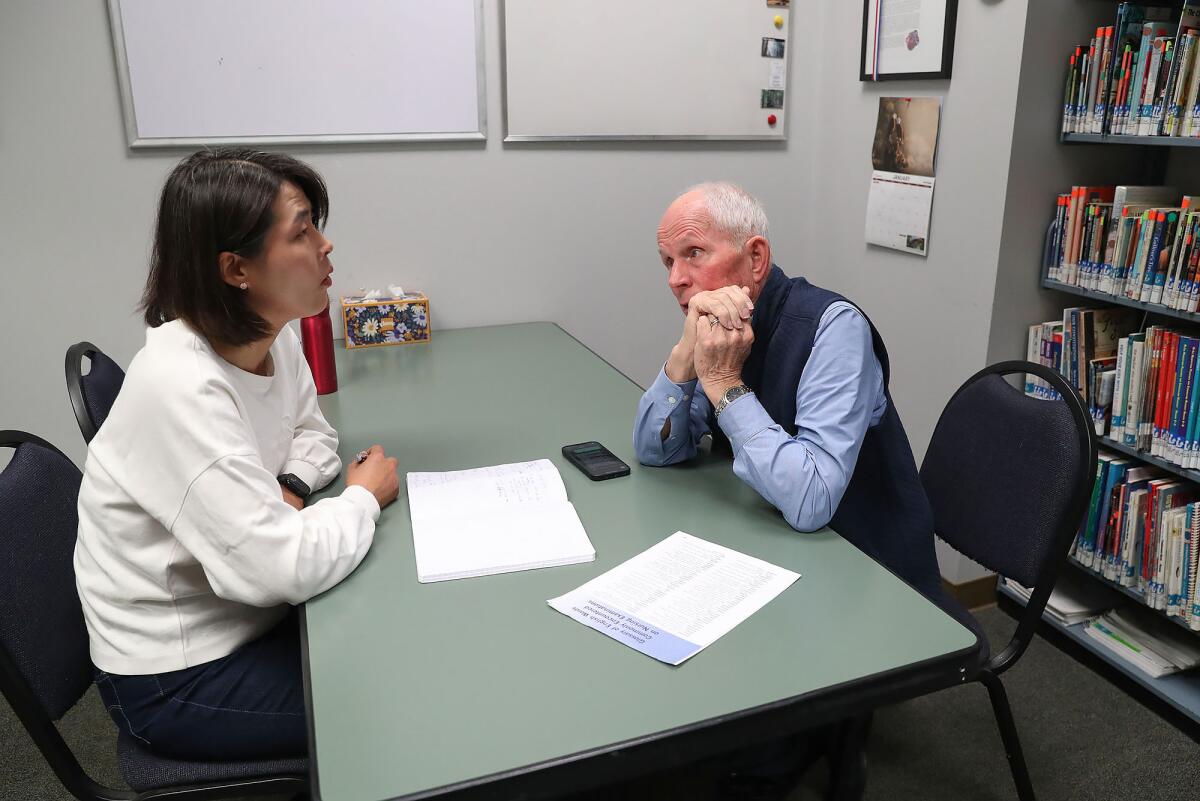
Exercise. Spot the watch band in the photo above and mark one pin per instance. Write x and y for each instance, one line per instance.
(732, 394)
(295, 484)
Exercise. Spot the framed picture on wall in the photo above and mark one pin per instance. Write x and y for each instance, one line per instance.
(906, 39)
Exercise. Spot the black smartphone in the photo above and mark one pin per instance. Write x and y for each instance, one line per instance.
(596, 461)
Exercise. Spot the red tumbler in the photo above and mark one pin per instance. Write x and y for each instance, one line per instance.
(316, 333)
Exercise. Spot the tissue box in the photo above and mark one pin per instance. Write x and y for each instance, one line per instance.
(386, 321)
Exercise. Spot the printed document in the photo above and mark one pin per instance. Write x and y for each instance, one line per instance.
(676, 598)
(493, 520)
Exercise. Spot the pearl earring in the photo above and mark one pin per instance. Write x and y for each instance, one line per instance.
(243, 285)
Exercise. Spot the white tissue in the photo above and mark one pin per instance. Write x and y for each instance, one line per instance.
(393, 292)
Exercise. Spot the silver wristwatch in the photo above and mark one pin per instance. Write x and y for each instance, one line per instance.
(732, 394)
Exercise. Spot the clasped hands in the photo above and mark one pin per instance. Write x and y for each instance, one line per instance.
(716, 341)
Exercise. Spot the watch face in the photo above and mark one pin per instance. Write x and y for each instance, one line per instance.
(295, 485)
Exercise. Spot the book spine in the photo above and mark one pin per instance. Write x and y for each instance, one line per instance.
(1179, 243)
(1117, 427)
(1146, 109)
(1069, 92)
(1189, 108)
(1103, 55)
(1032, 351)
(1107, 262)
(1133, 282)
(1183, 399)
(1167, 73)
(1135, 390)
(1087, 531)
(1071, 348)
(1074, 218)
(1147, 567)
(1085, 246)
(1138, 87)
(1174, 566)
(1117, 99)
(1129, 541)
(1152, 366)
(1183, 282)
(1194, 567)
(1153, 253)
(1184, 67)
(1163, 261)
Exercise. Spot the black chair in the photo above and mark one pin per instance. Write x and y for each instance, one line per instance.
(1009, 478)
(44, 664)
(92, 395)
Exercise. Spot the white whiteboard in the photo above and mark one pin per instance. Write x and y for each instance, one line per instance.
(197, 72)
(641, 69)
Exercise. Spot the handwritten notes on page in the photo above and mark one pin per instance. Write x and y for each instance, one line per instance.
(493, 520)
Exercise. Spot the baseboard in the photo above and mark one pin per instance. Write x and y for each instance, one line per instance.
(973, 594)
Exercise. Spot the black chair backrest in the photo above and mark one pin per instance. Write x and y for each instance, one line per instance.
(42, 632)
(92, 395)
(1009, 477)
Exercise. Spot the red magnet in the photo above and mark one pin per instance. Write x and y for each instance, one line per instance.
(771, 119)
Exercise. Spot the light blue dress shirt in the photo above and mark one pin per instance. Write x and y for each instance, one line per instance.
(840, 395)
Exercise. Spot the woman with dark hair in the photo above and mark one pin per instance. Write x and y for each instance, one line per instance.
(194, 536)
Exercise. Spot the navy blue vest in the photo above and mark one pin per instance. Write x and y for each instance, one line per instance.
(884, 511)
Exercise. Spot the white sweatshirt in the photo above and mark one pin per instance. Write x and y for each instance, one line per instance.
(186, 548)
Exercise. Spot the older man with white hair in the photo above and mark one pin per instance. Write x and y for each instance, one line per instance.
(792, 379)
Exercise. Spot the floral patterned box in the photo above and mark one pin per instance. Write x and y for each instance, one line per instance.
(386, 321)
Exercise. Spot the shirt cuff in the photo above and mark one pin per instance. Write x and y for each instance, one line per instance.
(364, 499)
(742, 420)
(670, 395)
(304, 471)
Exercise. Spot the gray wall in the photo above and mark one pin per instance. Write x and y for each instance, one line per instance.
(935, 313)
(493, 233)
(498, 233)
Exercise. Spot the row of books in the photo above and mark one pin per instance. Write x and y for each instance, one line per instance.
(1155, 650)
(1142, 532)
(1134, 636)
(1141, 387)
(1139, 76)
(1136, 242)
(1083, 348)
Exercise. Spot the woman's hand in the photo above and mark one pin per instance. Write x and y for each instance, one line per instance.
(292, 499)
(377, 474)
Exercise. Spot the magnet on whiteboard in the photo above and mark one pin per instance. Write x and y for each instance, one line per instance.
(771, 119)
(778, 21)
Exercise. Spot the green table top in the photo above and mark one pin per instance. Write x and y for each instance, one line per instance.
(420, 686)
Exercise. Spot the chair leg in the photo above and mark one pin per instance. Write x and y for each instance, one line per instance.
(1008, 733)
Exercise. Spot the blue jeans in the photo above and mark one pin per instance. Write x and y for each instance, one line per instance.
(244, 706)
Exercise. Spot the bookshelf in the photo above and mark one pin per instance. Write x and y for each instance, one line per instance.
(1104, 297)
(1180, 692)
(1103, 160)
(1116, 139)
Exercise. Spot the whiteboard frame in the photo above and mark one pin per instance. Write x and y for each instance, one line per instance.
(137, 142)
(777, 136)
